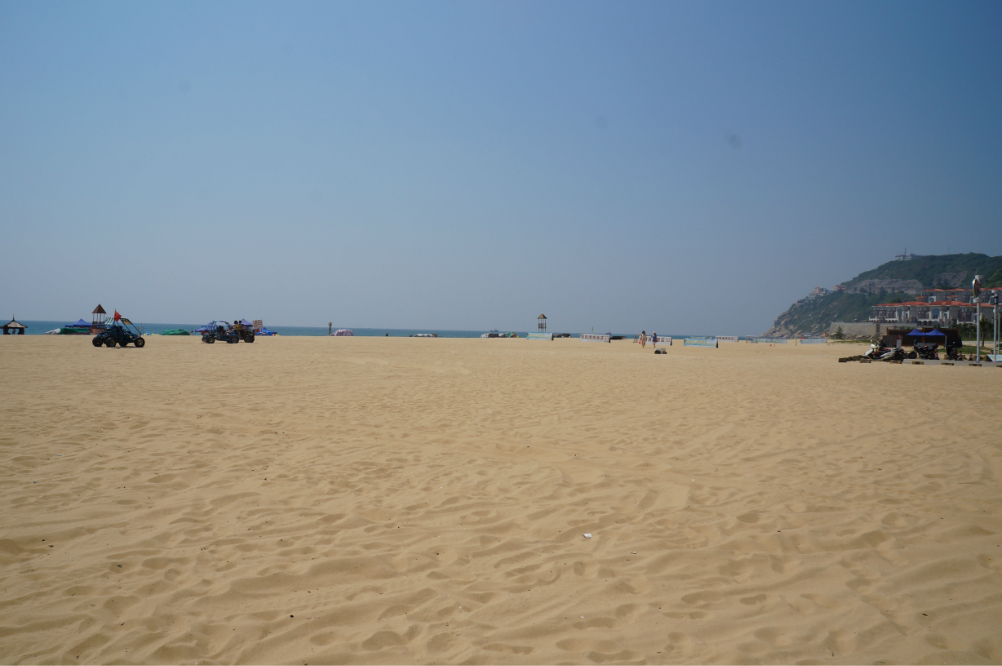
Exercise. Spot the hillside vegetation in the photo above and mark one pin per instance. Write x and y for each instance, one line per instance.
(944, 271)
(893, 281)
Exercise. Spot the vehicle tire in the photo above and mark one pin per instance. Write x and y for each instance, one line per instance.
(249, 338)
(140, 342)
(207, 339)
(912, 355)
(96, 341)
(109, 343)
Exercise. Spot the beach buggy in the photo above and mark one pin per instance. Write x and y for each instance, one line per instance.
(120, 331)
(219, 330)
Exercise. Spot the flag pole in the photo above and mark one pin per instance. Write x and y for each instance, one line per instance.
(976, 293)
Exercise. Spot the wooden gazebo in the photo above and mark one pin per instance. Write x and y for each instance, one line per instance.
(14, 327)
(541, 326)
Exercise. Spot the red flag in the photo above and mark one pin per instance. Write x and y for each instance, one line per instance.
(117, 316)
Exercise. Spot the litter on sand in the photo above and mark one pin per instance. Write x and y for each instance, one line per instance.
(587, 536)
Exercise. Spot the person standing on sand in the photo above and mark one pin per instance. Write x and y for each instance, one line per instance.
(654, 340)
(643, 339)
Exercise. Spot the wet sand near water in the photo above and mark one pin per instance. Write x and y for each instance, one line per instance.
(374, 500)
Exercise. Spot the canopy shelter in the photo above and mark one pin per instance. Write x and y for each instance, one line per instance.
(14, 327)
(98, 317)
(265, 331)
(915, 333)
(541, 323)
(244, 322)
(950, 337)
(79, 327)
(212, 325)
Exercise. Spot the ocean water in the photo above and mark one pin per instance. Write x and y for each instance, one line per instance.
(40, 327)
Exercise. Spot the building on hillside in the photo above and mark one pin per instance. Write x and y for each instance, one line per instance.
(920, 313)
(906, 256)
(986, 294)
(840, 287)
(939, 295)
(895, 313)
(818, 291)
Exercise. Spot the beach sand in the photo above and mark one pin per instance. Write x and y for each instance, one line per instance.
(373, 500)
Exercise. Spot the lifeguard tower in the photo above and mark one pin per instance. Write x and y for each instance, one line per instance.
(97, 320)
(541, 324)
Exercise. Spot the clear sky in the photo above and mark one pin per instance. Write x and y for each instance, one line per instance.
(689, 167)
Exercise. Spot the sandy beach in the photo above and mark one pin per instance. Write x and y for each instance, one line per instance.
(374, 500)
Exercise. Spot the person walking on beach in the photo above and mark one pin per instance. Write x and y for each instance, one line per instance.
(654, 340)
(642, 339)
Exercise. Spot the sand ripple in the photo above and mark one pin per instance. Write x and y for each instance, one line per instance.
(390, 501)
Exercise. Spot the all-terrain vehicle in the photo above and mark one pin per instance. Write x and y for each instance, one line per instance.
(878, 353)
(120, 331)
(219, 330)
(243, 331)
(953, 351)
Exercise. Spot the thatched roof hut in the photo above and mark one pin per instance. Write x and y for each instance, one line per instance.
(14, 327)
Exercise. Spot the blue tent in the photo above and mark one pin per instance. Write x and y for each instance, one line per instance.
(79, 323)
(931, 334)
(244, 322)
(211, 326)
(265, 331)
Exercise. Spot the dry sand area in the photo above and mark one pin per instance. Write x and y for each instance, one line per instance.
(373, 500)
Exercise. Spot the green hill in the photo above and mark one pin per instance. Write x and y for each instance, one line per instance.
(893, 281)
(945, 270)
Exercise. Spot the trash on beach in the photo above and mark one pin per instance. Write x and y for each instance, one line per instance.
(586, 535)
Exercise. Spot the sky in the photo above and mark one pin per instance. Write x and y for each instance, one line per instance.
(685, 167)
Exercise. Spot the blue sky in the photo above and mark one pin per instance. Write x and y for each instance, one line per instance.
(684, 167)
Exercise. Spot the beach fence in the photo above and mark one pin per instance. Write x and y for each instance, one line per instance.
(591, 337)
(700, 342)
(727, 338)
(666, 341)
(770, 341)
(539, 336)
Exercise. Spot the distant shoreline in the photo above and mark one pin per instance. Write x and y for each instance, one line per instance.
(36, 327)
